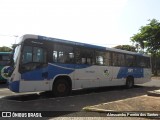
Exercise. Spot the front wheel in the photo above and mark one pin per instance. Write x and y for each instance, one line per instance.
(129, 82)
(61, 88)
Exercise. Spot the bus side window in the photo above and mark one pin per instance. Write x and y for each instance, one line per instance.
(147, 61)
(107, 59)
(115, 59)
(130, 60)
(84, 56)
(63, 53)
(61, 57)
(89, 61)
(3, 63)
(5, 57)
(55, 56)
(83, 61)
(143, 61)
(103, 58)
(4, 60)
(121, 59)
(71, 57)
(99, 60)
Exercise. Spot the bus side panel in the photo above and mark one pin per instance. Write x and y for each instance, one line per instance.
(86, 76)
(34, 80)
(34, 85)
(105, 73)
(58, 69)
(120, 74)
(14, 81)
(146, 78)
(116, 80)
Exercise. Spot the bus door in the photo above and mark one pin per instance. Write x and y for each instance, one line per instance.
(34, 69)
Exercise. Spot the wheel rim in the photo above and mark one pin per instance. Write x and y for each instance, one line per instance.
(61, 88)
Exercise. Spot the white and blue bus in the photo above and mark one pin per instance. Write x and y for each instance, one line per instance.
(60, 66)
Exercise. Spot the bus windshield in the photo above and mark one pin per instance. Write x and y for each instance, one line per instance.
(16, 53)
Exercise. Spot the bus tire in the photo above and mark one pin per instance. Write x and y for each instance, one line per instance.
(129, 82)
(61, 88)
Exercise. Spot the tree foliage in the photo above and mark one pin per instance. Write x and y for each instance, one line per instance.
(126, 47)
(5, 49)
(148, 37)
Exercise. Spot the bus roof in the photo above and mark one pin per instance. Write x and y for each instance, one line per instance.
(80, 44)
(4, 53)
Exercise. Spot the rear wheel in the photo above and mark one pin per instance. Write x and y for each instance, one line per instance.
(61, 88)
(129, 82)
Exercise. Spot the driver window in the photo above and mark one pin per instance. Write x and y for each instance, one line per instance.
(32, 58)
(27, 55)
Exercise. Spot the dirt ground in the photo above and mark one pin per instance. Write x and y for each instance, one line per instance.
(149, 105)
(140, 103)
(139, 108)
(156, 77)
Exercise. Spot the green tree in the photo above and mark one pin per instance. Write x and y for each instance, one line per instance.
(126, 47)
(5, 49)
(148, 38)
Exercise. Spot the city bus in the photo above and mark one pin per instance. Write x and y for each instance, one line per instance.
(4, 62)
(60, 66)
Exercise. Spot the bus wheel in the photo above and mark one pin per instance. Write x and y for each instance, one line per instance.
(61, 88)
(129, 82)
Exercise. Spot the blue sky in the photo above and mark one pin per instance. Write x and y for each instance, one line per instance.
(102, 22)
(137, 13)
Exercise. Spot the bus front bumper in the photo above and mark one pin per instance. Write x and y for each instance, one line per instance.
(14, 86)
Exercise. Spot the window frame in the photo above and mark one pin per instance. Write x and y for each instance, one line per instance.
(64, 53)
(84, 57)
(143, 59)
(106, 59)
(32, 63)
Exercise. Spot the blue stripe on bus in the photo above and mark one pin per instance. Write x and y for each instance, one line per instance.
(14, 86)
(53, 70)
(34, 74)
(58, 68)
(126, 71)
(72, 66)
